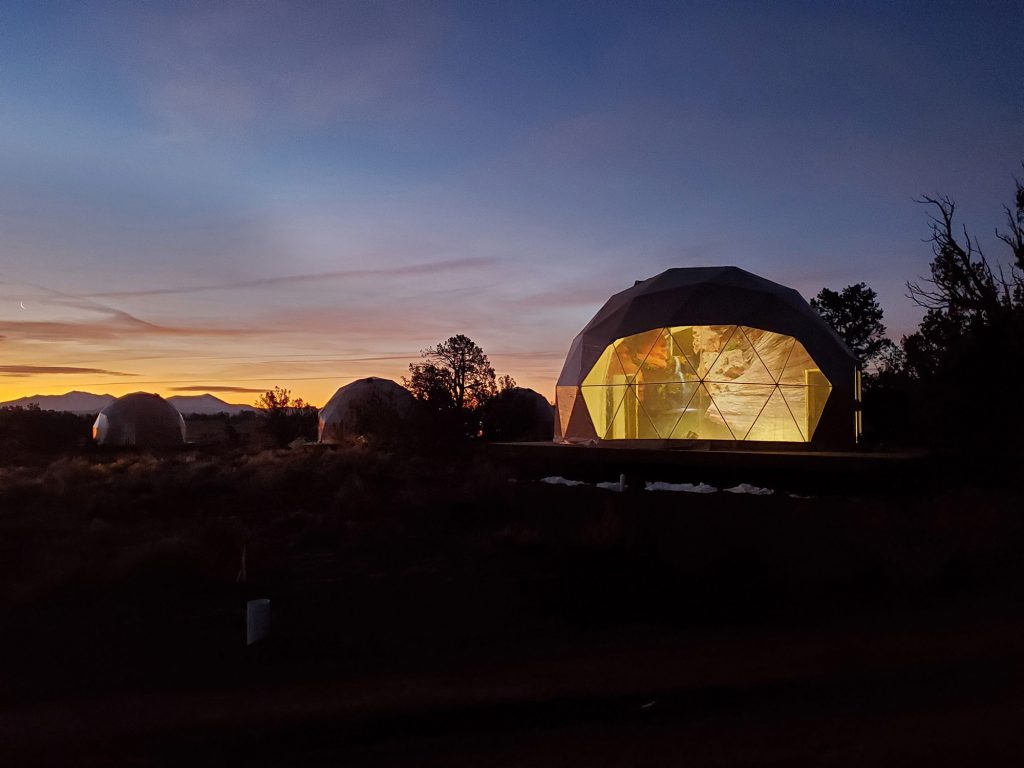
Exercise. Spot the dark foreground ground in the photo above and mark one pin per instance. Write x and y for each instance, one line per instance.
(450, 611)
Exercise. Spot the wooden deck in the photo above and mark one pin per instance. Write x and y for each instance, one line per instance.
(775, 467)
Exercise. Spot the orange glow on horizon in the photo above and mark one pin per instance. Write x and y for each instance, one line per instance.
(316, 390)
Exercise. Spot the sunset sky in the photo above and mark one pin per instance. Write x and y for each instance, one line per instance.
(224, 197)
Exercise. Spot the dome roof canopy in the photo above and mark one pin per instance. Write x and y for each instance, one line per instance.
(142, 420)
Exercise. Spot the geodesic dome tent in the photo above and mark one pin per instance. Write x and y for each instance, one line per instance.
(708, 353)
(363, 405)
(139, 420)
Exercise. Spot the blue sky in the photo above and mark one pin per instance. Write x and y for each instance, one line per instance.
(217, 195)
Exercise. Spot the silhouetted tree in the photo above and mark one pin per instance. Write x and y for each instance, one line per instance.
(855, 314)
(958, 375)
(287, 418)
(456, 374)
(970, 305)
(453, 384)
(962, 283)
(30, 429)
(278, 400)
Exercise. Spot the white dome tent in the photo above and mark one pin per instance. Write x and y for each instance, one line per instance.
(361, 406)
(139, 420)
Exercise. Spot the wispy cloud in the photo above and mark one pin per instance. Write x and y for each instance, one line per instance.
(37, 370)
(115, 323)
(217, 388)
(409, 270)
(111, 331)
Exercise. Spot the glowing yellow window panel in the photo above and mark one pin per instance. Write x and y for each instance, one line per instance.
(776, 422)
(709, 341)
(740, 404)
(666, 363)
(603, 403)
(681, 340)
(711, 382)
(701, 420)
(665, 404)
(606, 371)
(806, 404)
(738, 362)
(632, 351)
(816, 397)
(798, 366)
(772, 348)
(630, 421)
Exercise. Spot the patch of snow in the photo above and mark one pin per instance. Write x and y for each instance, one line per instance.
(555, 480)
(684, 487)
(753, 490)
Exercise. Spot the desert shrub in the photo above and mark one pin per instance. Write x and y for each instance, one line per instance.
(32, 430)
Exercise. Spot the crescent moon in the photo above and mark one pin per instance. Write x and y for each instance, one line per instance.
(22, 304)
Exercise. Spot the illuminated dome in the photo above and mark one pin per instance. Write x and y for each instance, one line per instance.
(362, 407)
(139, 420)
(708, 353)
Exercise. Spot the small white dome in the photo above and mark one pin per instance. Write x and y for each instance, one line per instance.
(140, 420)
(353, 408)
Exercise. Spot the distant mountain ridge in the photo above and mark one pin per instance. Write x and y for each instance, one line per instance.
(76, 402)
(88, 403)
(206, 405)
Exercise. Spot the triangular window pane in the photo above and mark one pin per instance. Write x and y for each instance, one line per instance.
(775, 423)
(665, 363)
(701, 419)
(682, 352)
(796, 401)
(738, 362)
(606, 371)
(815, 378)
(603, 403)
(772, 348)
(633, 350)
(800, 369)
(664, 404)
(740, 404)
(816, 397)
(631, 421)
(806, 405)
(581, 425)
(564, 399)
(709, 341)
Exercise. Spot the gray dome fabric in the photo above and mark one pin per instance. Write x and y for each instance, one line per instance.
(354, 407)
(139, 420)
